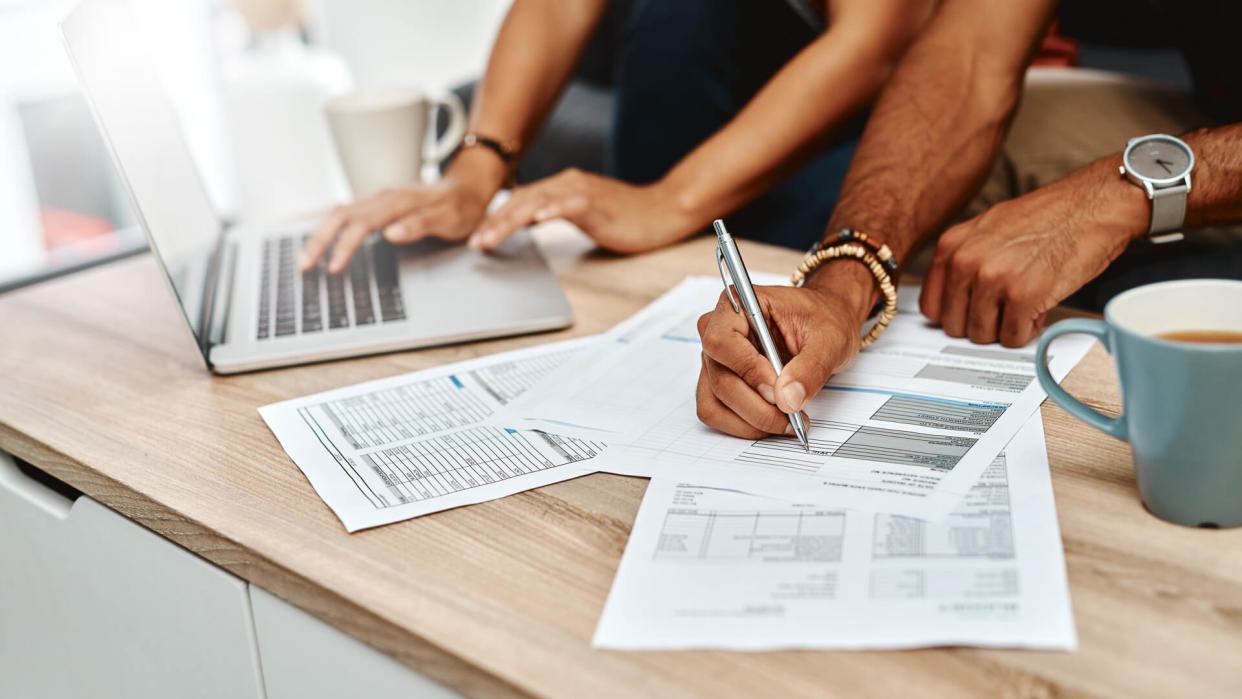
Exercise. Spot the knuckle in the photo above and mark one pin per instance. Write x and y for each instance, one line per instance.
(964, 263)
(991, 275)
(946, 246)
(1017, 294)
(704, 322)
(753, 372)
(979, 334)
(713, 344)
(705, 411)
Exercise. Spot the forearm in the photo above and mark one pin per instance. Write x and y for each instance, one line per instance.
(1216, 183)
(794, 116)
(940, 122)
(531, 59)
(1115, 208)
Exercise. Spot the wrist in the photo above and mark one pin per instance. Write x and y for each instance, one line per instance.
(846, 283)
(479, 171)
(1126, 208)
(680, 213)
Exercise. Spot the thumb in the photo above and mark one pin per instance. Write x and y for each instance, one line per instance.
(807, 372)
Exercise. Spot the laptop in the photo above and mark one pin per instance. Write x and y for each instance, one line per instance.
(239, 288)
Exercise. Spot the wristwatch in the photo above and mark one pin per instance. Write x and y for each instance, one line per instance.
(1161, 165)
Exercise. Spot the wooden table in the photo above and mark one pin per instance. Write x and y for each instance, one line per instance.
(101, 386)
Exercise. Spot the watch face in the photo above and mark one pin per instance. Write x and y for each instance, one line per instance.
(1159, 158)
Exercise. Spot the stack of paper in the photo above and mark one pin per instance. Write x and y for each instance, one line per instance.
(907, 429)
(739, 543)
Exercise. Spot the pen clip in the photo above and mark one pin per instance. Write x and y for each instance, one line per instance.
(720, 265)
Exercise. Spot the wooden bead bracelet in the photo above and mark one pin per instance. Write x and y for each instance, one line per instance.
(878, 259)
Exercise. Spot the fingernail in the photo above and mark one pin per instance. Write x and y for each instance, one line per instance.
(768, 394)
(789, 430)
(304, 260)
(793, 394)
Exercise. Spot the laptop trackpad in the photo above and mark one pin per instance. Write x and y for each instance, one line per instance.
(449, 288)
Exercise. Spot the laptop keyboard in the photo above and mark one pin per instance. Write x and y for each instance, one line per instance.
(366, 292)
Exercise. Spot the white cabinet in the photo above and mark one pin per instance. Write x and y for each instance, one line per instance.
(94, 605)
(304, 658)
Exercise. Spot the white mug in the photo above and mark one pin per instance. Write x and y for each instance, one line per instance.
(381, 135)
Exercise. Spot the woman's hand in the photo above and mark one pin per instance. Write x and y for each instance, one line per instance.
(448, 209)
(620, 217)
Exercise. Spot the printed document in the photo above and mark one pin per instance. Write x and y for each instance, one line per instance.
(718, 568)
(405, 446)
(907, 429)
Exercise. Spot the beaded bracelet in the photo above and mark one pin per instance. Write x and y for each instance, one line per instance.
(879, 269)
(881, 251)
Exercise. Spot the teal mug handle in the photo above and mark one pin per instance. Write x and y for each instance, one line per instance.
(1116, 426)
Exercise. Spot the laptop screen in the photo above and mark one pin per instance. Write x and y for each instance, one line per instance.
(145, 138)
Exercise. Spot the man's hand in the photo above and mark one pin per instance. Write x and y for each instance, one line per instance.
(620, 217)
(994, 277)
(739, 393)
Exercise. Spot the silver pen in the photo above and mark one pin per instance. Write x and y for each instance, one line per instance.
(727, 255)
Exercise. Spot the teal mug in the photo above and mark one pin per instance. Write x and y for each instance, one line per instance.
(1182, 400)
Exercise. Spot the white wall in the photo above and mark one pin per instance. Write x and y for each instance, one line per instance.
(423, 43)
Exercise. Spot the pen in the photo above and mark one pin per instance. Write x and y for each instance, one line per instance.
(727, 255)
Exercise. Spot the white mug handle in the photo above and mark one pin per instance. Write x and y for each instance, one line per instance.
(445, 145)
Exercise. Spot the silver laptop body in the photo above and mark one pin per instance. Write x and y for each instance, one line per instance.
(239, 288)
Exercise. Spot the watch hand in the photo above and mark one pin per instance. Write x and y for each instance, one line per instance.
(1165, 164)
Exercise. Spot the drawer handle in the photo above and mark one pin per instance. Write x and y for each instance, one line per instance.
(14, 480)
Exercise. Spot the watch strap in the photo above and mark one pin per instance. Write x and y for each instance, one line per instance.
(1168, 212)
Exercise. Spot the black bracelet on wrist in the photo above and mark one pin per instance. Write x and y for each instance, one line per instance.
(472, 139)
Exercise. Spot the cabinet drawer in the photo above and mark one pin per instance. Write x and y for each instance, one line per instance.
(94, 605)
(305, 658)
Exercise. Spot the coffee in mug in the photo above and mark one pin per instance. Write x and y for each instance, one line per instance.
(1209, 336)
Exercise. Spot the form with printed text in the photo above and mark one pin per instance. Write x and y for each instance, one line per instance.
(409, 445)
(720, 568)
(908, 428)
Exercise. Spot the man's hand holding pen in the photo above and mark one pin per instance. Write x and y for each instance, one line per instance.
(739, 392)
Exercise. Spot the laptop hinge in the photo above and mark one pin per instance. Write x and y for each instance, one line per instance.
(219, 334)
(212, 281)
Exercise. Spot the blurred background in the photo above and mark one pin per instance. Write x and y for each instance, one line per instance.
(248, 78)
